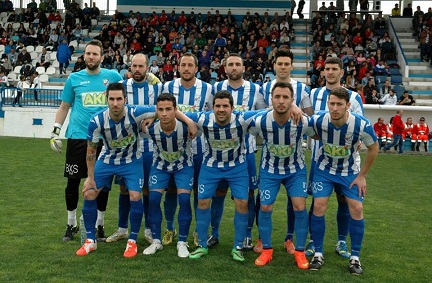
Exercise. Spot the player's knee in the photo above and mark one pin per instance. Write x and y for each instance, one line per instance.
(266, 208)
(134, 196)
(319, 208)
(241, 206)
(204, 203)
(356, 210)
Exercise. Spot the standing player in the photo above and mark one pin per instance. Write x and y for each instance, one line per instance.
(224, 161)
(192, 95)
(283, 66)
(119, 127)
(333, 71)
(142, 89)
(246, 96)
(172, 159)
(338, 167)
(282, 162)
(83, 93)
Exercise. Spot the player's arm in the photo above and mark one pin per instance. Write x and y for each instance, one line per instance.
(295, 113)
(308, 110)
(89, 183)
(62, 112)
(360, 180)
(192, 127)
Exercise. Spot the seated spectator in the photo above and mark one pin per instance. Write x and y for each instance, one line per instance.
(370, 92)
(371, 46)
(79, 64)
(422, 130)
(351, 80)
(387, 49)
(107, 61)
(215, 64)
(389, 98)
(23, 57)
(154, 68)
(409, 132)
(77, 33)
(3, 79)
(205, 74)
(366, 78)
(43, 59)
(380, 129)
(385, 89)
(118, 63)
(406, 99)
(380, 68)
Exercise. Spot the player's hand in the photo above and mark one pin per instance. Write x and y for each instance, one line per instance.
(152, 79)
(360, 181)
(89, 185)
(147, 123)
(192, 129)
(295, 114)
(55, 142)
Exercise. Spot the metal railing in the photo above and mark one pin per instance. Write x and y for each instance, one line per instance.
(45, 97)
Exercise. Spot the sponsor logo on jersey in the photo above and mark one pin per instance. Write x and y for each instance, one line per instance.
(336, 151)
(224, 144)
(186, 108)
(281, 151)
(124, 142)
(171, 156)
(94, 99)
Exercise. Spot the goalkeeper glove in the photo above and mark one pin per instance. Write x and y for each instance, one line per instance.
(152, 79)
(55, 142)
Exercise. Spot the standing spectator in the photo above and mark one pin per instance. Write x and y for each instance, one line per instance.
(36, 84)
(63, 56)
(398, 128)
(370, 92)
(408, 11)
(425, 44)
(19, 91)
(396, 12)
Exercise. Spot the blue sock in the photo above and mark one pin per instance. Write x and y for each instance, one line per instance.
(240, 227)
(301, 229)
(184, 216)
(217, 208)
(265, 228)
(146, 200)
(257, 208)
(89, 212)
(251, 216)
(291, 217)
(155, 214)
(318, 230)
(170, 207)
(136, 215)
(202, 225)
(124, 208)
(343, 218)
(356, 230)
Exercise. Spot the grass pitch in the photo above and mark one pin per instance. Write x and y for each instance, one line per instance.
(32, 222)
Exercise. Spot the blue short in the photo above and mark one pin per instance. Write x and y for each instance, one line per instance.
(132, 174)
(236, 178)
(251, 167)
(323, 183)
(160, 179)
(295, 185)
(147, 159)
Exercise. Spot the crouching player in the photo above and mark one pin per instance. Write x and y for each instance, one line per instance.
(282, 162)
(338, 166)
(172, 159)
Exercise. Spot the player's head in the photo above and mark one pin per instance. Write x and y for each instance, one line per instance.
(333, 71)
(234, 67)
(338, 103)
(139, 67)
(93, 54)
(188, 66)
(223, 105)
(282, 97)
(116, 97)
(166, 108)
(283, 64)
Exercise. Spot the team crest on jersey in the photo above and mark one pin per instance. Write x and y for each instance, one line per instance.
(105, 82)
(293, 134)
(241, 108)
(282, 151)
(151, 94)
(349, 139)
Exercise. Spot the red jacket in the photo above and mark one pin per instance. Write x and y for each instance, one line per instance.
(398, 125)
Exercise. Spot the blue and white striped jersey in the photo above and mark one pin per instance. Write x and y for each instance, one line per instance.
(339, 155)
(171, 152)
(247, 97)
(194, 99)
(301, 93)
(142, 94)
(282, 148)
(120, 139)
(319, 97)
(226, 145)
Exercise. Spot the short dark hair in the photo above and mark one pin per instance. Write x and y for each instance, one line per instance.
(283, 85)
(167, 97)
(341, 93)
(190, 54)
(223, 94)
(284, 52)
(334, 60)
(116, 86)
(233, 55)
(96, 42)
